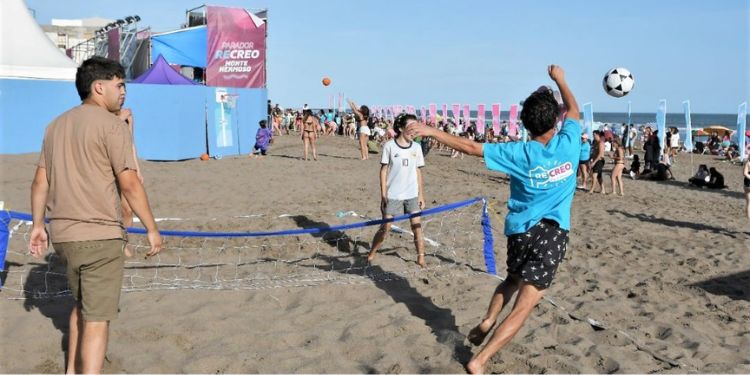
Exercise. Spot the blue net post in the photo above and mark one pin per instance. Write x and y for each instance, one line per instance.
(4, 236)
(489, 242)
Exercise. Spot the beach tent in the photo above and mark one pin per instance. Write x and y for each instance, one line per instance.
(187, 47)
(162, 74)
(26, 52)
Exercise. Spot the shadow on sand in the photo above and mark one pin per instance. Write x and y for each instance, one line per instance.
(441, 321)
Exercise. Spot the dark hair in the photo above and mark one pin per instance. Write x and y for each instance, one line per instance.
(400, 122)
(262, 123)
(540, 112)
(93, 69)
(635, 157)
(365, 111)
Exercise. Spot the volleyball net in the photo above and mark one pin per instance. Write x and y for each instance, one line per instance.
(321, 248)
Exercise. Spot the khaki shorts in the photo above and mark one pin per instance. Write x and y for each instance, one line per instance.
(395, 207)
(95, 271)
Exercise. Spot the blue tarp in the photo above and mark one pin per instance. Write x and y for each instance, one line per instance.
(169, 120)
(162, 74)
(172, 122)
(232, 128)
(182, 47)
(27, 106)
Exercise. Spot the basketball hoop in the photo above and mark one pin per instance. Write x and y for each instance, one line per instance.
(230, 100)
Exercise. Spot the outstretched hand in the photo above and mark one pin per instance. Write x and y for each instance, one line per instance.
(418, 129)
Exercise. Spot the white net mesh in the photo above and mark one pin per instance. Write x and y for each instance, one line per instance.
(453, 245)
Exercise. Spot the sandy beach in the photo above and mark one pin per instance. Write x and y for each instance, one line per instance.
(656, 281)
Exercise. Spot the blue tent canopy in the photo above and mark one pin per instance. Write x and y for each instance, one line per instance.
(162, 74)
(182, 47)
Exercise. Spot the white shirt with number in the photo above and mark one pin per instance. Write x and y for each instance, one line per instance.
(402, 164)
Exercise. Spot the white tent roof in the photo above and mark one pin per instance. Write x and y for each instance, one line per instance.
(25, 51)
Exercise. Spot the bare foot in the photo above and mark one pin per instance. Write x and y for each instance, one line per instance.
(371, 256)
(477, 334)
(420, 261)
(475, 367)
(129, 251)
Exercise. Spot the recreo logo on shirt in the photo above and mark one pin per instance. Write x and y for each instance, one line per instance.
(540, 177)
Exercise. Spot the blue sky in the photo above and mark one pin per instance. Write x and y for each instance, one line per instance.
(417, 52)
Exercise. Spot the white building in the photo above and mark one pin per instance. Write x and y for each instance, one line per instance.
(68, 33)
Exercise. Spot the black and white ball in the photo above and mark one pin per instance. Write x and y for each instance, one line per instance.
(618, 82)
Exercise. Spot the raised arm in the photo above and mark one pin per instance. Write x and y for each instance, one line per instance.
(465, 145)
(558, 75)
(355, 109)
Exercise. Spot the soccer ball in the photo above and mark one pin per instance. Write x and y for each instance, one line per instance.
(618, 82)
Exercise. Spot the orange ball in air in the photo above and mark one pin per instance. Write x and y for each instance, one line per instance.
(326, 81)
(204, 157)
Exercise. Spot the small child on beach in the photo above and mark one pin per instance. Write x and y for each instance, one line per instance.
(262, 139)
(401, 188)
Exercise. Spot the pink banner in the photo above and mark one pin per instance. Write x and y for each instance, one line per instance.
(496, 118)
(236, 48)
(467, 116)
(445, 112)
(113, 44)
(456, 113)
(480, 118)
(433, 112)
(423, 114)
(513, 127)
(398, 108)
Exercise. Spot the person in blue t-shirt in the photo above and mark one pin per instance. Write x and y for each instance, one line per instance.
(583, 160)
(542, 183)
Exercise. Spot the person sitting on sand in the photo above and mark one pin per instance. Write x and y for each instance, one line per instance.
(661, 172)
(635, 167)
(263, 138)
(542, 184)
(716, 179)
(401, 188)
(701, 177)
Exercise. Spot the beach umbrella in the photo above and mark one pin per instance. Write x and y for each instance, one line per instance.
(700, 133)
(722, 130)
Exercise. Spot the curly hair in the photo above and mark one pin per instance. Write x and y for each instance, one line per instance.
(540, 112)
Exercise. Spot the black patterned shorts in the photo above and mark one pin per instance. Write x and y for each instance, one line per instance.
(535, 255)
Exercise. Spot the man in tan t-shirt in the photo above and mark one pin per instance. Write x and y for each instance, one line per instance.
(86, 161)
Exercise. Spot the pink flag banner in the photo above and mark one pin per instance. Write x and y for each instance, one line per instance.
(399, 109)
(445, 112)
(456, 113)
(496, 118)
(113, 44)
(423, 115)
(433, 112)
(236, 48)
(480, 118)
(467, 116)
(513, 126)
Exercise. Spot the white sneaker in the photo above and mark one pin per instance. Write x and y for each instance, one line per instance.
(632, 175)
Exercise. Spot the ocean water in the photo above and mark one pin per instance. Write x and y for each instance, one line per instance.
(697, 120)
